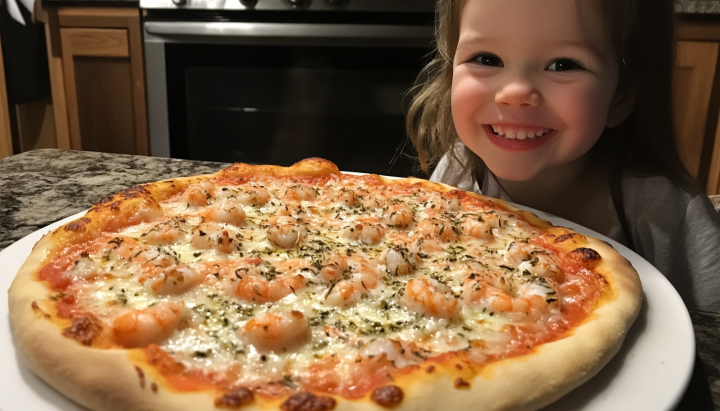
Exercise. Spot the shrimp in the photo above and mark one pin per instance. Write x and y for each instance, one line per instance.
(399, 215)
(369, 231)
(151, 261)
(373, 201)
(401, 261)
(529, 300)
(346, 198)
(226, 213)
(173, 280)
(249, 285)
(358, 280)
(207, 237)
(399, 353)
(476, 227)
(290, 210)
(437, 227)
(494, 278)
(284, 231)
(139, 328)
(428, 296)
(253, 196)
(537, 262)
(226, 192)
(429, 246)
(443, 203)
(333, 268)
(452, 204)
(278, 332)
(168, 232)
(300, 193)
(196, 195)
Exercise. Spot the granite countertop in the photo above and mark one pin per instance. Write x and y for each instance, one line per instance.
(697, 6)
(40, 187)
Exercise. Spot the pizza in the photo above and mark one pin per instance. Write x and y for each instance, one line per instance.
(306, 289)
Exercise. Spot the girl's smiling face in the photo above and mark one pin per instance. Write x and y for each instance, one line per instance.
(534, 83)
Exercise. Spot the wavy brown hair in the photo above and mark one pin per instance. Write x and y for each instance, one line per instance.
(643, 36)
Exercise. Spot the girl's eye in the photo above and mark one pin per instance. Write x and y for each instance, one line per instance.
(488, 59)
(564, 65)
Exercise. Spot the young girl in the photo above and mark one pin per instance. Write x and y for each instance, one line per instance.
(566, 106)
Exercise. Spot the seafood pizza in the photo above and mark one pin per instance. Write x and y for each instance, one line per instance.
(303, 288)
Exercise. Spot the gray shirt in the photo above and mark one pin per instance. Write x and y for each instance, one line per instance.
(675, 231)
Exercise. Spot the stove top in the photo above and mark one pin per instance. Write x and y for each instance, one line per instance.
(395, 6)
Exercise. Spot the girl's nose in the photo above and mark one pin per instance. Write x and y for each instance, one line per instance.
(519, 94)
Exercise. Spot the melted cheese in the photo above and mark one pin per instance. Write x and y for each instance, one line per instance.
(487, 276)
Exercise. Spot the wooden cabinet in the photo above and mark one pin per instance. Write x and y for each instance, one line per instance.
(6, 146)
(697, 100)
(694, 73)
(97, 76)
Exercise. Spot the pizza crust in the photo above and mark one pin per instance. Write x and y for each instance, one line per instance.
(110, 380)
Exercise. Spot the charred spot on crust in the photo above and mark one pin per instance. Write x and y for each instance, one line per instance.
(153, 387)
(84, 329)
(458, 366)
(564, 237)
(235, 398)
(585, 255)
(305, 401)
(78, 225)
(388, 396)
(430, 369)
(461, 383)
(141, 376)
(134, 192)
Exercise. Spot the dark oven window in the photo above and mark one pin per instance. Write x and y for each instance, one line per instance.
(278, 105)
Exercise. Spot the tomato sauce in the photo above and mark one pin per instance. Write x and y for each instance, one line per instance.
(581, 282)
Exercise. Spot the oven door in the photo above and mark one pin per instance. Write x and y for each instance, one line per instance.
(276, 93)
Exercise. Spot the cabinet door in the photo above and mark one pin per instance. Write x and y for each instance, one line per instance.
(694, 74)
(6, 146)
(102, 67)
(98, 79)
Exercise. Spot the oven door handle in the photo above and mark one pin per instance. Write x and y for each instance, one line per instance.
(289, 33)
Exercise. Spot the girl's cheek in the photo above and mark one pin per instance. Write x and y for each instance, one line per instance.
(469, 94)
(584, 114)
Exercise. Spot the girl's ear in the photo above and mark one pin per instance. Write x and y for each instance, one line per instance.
(621, 107)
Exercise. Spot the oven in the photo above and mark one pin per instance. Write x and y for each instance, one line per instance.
(276, 81)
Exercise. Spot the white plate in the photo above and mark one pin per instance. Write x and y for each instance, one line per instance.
(650, 372)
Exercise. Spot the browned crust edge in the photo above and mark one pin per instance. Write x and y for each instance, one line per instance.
(545, 375)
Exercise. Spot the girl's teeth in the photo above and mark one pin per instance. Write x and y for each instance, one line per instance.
(521, 135)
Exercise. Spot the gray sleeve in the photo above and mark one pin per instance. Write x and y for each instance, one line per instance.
(440, 170)
(694, 266)
(451, 173)
(679, 234)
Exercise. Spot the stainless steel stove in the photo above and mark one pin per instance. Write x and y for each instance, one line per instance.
(402, 6)
(275, 81)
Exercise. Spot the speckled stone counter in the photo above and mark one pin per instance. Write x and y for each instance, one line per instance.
(40, 187)
(697, 6)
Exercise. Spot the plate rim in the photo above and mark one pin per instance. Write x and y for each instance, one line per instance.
(646, 272)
